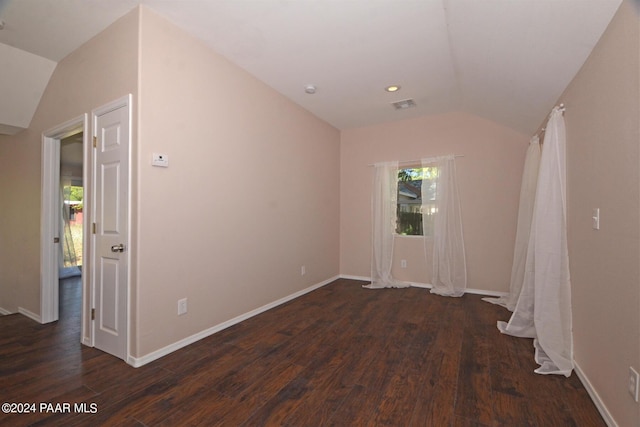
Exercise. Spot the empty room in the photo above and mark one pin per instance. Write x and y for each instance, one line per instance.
(320, 212)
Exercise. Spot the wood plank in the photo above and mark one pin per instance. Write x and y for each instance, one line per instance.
(474, 394)
(265, 391)
(341, 355)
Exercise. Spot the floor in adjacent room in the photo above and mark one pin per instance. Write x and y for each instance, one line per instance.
(341, 355)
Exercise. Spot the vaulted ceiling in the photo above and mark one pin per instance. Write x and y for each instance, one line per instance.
(505, 60)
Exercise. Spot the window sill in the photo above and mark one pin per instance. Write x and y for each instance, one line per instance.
(410, 236)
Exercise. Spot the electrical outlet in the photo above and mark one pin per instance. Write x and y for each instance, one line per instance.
(634, 379)
(182, 306)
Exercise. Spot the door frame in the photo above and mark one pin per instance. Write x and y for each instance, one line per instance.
(50, 218)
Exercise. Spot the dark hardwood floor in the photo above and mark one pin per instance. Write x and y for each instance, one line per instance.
(341, 356)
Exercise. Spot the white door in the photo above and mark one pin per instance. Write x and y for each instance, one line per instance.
(111, 131)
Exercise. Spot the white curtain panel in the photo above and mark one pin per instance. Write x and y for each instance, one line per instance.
(384, 204)
(543, 309)
(449, 263)
(525, 215)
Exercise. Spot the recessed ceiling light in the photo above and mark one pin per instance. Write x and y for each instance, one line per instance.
(392, 88)
(310, 89)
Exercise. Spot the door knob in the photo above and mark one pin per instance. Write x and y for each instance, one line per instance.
(117, 248)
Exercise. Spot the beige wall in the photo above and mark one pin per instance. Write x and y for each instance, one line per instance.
(603, 141)
(103, 69)
(250, 195)
(489, 177)
(258, 187)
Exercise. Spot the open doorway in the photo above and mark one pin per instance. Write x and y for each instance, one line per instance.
(64, 168)
(70, 254)
(104, 290)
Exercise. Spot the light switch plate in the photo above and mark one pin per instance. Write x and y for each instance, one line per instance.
(595, 219)
(161, 160)
(634, 383)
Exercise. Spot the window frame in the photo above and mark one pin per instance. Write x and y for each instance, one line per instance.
(419, 170)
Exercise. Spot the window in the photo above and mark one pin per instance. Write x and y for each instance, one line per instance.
(410, 201)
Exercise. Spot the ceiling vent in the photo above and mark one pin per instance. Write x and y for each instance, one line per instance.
(404, 104)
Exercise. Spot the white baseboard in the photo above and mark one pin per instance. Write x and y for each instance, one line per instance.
(30, 314)
(429, 286)
(466, 291)
(347, 276)
(4, 311)
(486, 292)
(606, 415)
(136, 362)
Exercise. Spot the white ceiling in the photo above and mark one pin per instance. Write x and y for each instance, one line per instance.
(505, 60)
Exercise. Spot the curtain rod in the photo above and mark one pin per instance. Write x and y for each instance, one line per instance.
(415, 162)
(561, 108)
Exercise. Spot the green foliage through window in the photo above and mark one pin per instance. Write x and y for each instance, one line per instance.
(74, 194)
(412, 221)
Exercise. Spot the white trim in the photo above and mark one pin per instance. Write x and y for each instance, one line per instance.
(49, 225)
(485, 292)
(4, 312)
(428, 286)
(604, 412)
(412, 236)
(86, 331)
(136, 362)
(421, 285)
(30, 314)
(350, 277)
(466, 291)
